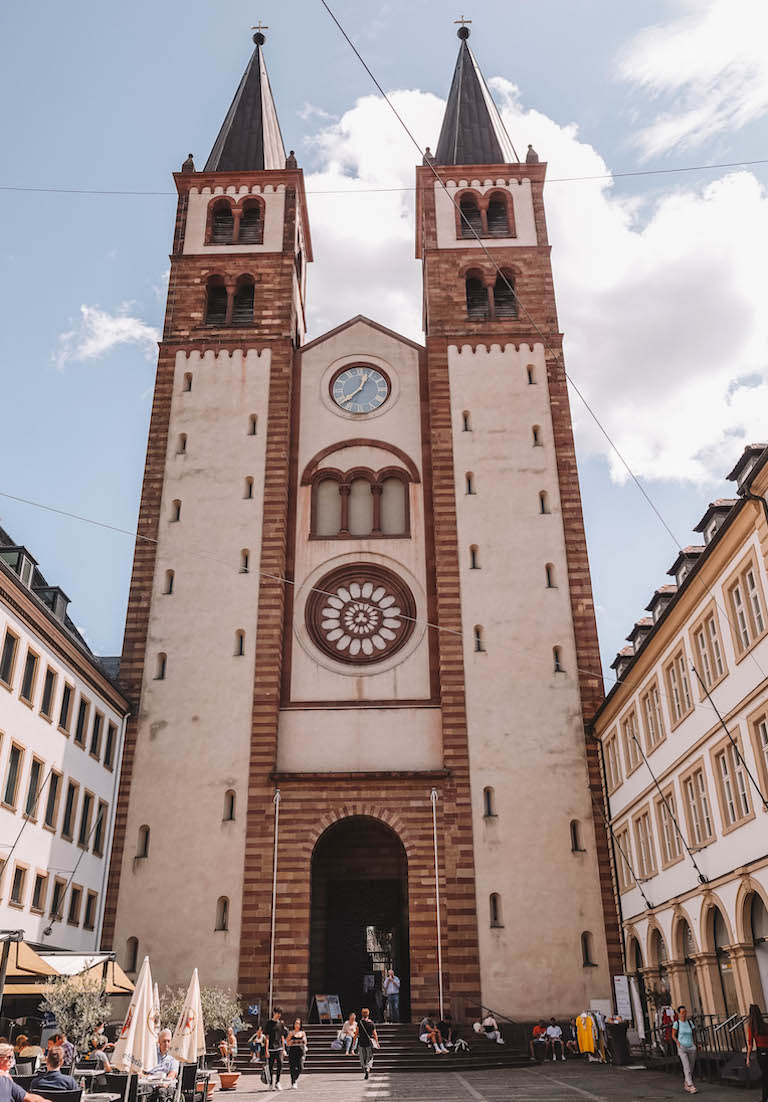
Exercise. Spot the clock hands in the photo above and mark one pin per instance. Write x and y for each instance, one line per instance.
(346, 397)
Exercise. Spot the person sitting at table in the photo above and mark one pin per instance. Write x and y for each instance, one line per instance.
(68, 1050)
(9, 1090)
(104, 1067)
(167, 1066)
(52, 1078)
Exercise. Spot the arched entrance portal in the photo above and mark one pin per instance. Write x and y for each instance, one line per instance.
(359, 923)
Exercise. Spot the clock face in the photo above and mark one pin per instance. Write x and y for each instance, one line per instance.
(360, 389)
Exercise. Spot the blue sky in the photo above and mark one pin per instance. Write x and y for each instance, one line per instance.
(660, 278)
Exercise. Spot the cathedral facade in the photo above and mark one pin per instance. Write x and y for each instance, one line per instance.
(360, 639)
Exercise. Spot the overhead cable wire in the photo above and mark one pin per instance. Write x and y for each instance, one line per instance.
(383, 190)
(614, 838)
(501, 275)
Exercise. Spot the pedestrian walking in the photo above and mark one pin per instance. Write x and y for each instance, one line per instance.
(296, 1043)
(275, 1047)
(682, 1034)
(392, 991)
(757, 1039)
(367, 1040)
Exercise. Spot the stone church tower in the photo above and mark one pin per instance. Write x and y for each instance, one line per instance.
(362, 582)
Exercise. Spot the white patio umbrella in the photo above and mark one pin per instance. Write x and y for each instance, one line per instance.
(189, 1036)
(156, 1008)
(136, 1048)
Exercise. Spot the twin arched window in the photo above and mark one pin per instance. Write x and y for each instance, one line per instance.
(360, 504)
(491, 215)
(241, 224)
(227, 303)
(490, 301)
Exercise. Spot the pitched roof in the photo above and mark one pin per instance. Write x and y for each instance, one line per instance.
(472, 132)
(250, 137)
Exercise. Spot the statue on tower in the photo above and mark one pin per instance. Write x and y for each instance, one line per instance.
(189, 165)
(531, 157)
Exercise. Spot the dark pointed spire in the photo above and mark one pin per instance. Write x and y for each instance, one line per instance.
(250, 137)
(472, 131)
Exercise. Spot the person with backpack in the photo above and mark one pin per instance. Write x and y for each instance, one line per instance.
(682, 1034)
(367, 1040)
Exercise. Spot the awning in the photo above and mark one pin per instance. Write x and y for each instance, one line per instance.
(92, 966)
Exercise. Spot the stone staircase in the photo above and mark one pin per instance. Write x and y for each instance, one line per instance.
(401, 1051)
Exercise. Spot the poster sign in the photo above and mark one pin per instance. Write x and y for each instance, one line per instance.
(328, 1008)
(254, 1009)
(638, 1007)
(623, 1002)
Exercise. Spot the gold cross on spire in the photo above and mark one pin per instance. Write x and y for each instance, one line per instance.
(462, 20)
(260, 28)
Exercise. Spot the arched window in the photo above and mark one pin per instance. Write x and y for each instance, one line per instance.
(252, 424)
(239, 643)
(244, 560)
(576, 845)
(479, 638)
(489, 803)
(531, 374)
(495, 901)
(557, 660)
(142, 849)
(131, 954)
(466, 421)
(360, 507)
(251, 223)
(504, 300)
(498, 216)
(222, 224)
(216, 301)
(551, 576)
(229, 806)
(392, 507)
(168, 583)
(470, 482)
(176, 510)
(543, 502)
(474, 558)
(327, 501)
(242, 304)
(536, 434)
(181, 444)
(478, 307)
(248, 488)
(586, 950)
(471, 219)
(187, 384)
(222, 913)
(160, 665)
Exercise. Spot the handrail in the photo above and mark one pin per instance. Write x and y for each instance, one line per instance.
(740, 1022)
(498, 1014)
(725, 1023)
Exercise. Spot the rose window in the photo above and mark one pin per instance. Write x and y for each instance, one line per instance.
(360, 614)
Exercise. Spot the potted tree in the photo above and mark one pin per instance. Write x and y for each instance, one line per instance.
(221, 1009)
(79, 1004)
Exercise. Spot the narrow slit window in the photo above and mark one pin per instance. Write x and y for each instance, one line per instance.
(557, 660)
(531, 374)
(248, 489)
(181, 444)
(479, 634)
(544, 502)
(160, 667)
(142, 848)
(496, 919)
(576, 845)
(252, 424)
(466, 421)
(239, 643)
(551, 576)
(245, 559)
(469, 479)
(175, 511)
(474, 558)
(187, 384)
(536, 434)
(222, 913)
(229, 806)
(168, 583)
(489, 803)
(586, 950)
(131, 954)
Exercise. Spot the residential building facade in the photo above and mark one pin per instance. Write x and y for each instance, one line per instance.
(61, 729)
(360, 634)
(684, 736)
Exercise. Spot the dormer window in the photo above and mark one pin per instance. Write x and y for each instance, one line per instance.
(20, 561)
(682, 574)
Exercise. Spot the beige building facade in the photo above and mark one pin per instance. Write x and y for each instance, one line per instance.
(684, 740)
(383, 544)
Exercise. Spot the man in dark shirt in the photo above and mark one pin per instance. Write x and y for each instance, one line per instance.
(52, 1079)
(10, 1091)
(273, 1053)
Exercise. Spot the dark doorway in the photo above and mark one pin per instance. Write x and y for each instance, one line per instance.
(359, 925)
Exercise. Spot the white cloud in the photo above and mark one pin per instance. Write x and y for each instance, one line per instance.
(712, 61)
(662, 301)
(99, 332)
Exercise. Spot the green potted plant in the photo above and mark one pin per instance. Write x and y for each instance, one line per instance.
(79, 1004)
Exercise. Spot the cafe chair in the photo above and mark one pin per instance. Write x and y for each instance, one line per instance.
(60, 1096)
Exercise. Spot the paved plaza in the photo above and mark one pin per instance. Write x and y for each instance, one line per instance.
(569, 1084)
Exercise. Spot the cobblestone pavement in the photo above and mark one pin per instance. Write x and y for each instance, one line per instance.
(571, 1084)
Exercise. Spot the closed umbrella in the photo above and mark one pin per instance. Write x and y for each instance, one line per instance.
(188, 1042)
(136, 1048)
(156, 1010)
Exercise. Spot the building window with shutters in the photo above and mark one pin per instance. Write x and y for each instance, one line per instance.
(49, 691)
(678, 687)
(632, 755)
(613, 776)
(644, 851)
(732, 786)
(652, 717)
(707, 651)
(669, 838)
(747, 606)
(697, 808)
(623, 859)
